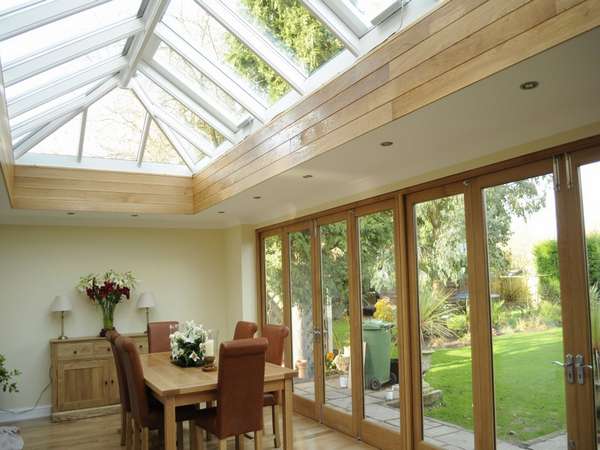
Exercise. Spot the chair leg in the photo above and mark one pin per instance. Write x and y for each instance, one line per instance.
(258, 440)
(123, 427)
(137, 443)
(222, 444)
(275, 412)
(198, 437)
(145, 438)
(179, 435)
(193, 435)
(128, 432)
(239, 442)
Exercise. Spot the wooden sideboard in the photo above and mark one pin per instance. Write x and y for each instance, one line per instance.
(84, 377)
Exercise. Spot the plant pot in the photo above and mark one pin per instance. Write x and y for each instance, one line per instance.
(426, 355)
(343, 381)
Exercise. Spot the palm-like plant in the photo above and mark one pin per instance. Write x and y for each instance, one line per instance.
(434, 312)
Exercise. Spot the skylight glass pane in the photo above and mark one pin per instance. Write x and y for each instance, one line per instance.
(202, 31)
(369, 9)
(292, 29)
(178, 110)
(68, 28)
(65, 70)
(169, 58)
(114, 126)
(159, 149)
(52, 104)
(194, 153)
(64, 141)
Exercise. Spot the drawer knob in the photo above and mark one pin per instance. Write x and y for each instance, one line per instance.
(74, 352)
(108, 349)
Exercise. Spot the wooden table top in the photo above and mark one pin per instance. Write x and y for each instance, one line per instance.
(165, 378)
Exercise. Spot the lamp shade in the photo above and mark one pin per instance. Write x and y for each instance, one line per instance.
(61, 303)
(146, 300)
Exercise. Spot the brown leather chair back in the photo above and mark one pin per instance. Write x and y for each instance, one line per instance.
(158, 336)
(134, 373)
(241, 387)
(276, 335)
(112, 336)
(244, 330)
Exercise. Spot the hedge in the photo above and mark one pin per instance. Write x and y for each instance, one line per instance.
(546, 261)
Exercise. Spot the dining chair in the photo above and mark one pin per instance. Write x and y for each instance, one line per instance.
(240, 390)
(126, 438)
(275, 335)
(244, 330)
(158, 336)
(146, 412)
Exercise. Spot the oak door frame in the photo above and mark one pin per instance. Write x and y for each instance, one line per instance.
(411, 200)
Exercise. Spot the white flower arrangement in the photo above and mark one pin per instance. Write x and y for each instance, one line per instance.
(188, 345)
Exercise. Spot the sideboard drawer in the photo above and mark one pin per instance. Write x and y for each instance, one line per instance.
(102, 348)
(75, 350)
(142, 344)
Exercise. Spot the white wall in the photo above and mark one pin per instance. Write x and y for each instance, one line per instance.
(195, 274)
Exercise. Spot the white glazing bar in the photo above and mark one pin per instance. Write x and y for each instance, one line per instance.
(145, 132)
(31, 65)
(56, 89)
(152, 15)
(221, 76)
(255, 41)
(191, 100)
(151, 109)
(337, 26)
(82, 134)
(26, 19)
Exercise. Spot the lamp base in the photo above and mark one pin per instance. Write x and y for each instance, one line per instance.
(62, 337)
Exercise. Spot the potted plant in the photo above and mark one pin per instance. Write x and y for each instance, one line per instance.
(9, 436)
(107, 291)
(188, 345)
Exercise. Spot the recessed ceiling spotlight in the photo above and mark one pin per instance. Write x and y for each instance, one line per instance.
(220, 212)
(528, 85)
(257, 197)
(308, 175)
(135, 215)
(70, 213)
(386, 143)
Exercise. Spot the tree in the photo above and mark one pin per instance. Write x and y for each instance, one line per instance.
(300, 34)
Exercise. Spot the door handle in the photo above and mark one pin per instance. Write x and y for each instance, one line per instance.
(580, 367)
(568, 365)
(316, 334)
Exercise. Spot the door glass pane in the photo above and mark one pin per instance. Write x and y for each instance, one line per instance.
(379, 318)
(336, 315)
(444, 323)
(526, 314)
(273, 279)
(590, 186)
(302, 312)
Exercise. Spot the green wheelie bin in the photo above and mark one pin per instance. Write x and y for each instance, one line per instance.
(377, 337)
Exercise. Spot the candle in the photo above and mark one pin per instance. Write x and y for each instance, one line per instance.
(210, 348)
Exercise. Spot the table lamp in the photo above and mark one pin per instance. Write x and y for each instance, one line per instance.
(146, 301)
(61, 304)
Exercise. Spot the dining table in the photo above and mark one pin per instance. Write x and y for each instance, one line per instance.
(175, 386)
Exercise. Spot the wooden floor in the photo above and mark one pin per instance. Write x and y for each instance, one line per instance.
(102, 433)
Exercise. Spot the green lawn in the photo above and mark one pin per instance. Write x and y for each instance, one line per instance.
(529, 389)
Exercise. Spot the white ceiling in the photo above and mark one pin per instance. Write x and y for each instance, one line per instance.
(476, 122)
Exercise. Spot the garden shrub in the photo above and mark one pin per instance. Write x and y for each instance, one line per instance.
(514, 290)
(458, 324)
(546, 262)
(550, 313)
